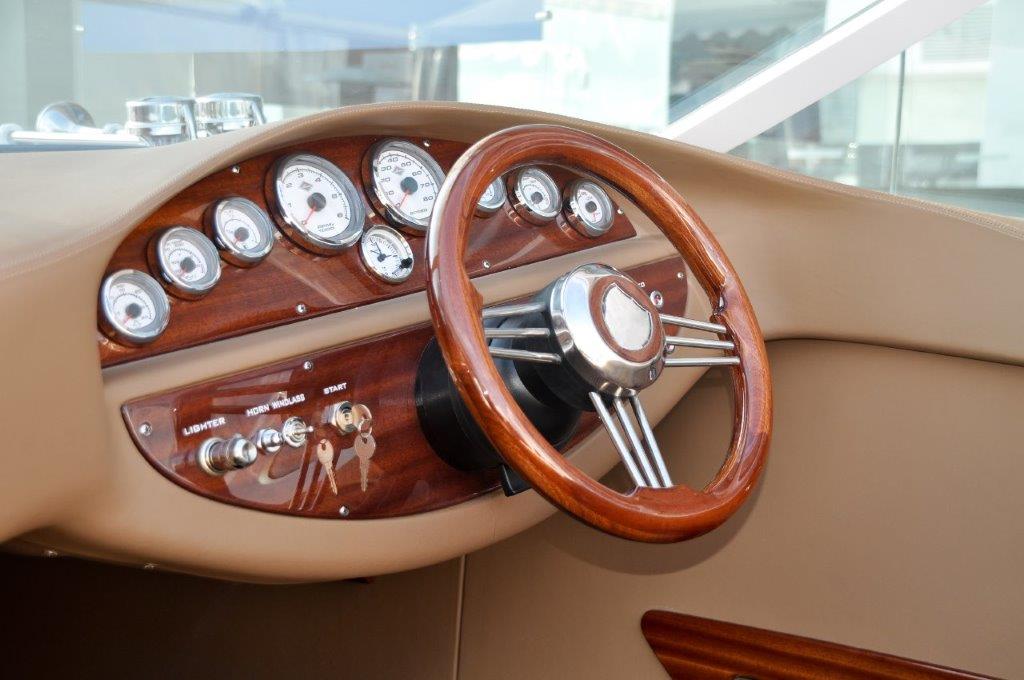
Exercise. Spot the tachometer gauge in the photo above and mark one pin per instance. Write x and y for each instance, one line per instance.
(318, 203)
(588, 208)
(492, 199)
(387, 254)
(242, 231)
(535, 195)
(187, 261)
(134, 309)
(405, 181)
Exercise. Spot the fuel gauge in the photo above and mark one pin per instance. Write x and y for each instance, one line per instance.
(588, 208)
(134, 309)
(535, 195)
(242, 231)
(187, 261)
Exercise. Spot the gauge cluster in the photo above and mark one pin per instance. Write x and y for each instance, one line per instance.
(322, 227)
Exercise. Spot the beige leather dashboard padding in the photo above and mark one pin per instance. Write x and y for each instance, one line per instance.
(888, 519)
(818, 260)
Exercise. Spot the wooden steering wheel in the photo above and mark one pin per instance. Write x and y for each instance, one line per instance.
(604, 336)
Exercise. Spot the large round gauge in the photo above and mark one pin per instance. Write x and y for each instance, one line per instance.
(492, 199)
(134, 309)
(320, 207)
(588, 208)
(242, 231)
(405, 181)
(187, 261)
(535, 196)
(387, 254)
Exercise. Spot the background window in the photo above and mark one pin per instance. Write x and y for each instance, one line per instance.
(951, 106)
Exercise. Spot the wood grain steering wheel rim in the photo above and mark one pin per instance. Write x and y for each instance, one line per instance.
(645, 514)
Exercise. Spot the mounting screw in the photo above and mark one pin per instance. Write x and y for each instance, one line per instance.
(487, 264)
(619, 211)
(301, 308)
(426, 143)
(145, 429)
(235, 169)
(680, 275)
(643, 284)
(149, 566)
(343, 511)
(307, 365)
(50, 553)
(657, 299)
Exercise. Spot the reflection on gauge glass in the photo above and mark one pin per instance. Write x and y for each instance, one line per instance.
(537, 198)
(242, 231)
(387, 254)
(405, 180)
(188, 261)
(493, 198)
(589, 209)
(134, 307)
(319, 204)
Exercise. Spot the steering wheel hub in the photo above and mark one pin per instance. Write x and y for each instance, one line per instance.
(607, 329)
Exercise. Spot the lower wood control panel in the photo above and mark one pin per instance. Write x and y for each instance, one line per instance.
(332, 434)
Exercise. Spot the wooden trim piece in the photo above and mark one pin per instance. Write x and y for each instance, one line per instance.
(292, 278)
(405, 476)
(696, 648)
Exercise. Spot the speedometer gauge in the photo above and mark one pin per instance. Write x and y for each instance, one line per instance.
(320, 207)
(405, 181)
(387, 254)
(588, 208)
(187, 261)
(134, 309)
(535, 195)
(492, 199)
(242, 231)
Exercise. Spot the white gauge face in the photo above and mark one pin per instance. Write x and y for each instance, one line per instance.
(319, 203)
(493, 197)
(537, 195)
(188, 261)
(406, 181)
(591, 208)
(387, 254)
(242, 230)
(134, 306)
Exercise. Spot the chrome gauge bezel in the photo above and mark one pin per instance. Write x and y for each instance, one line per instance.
(576, 216)
(377, 197)
(231, 251)
(487, 208)
(525, 208)
(116, 330)
(298, 232)
(396, 237)
(175, 284)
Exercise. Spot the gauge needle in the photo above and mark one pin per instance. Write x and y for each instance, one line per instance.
(310, 214)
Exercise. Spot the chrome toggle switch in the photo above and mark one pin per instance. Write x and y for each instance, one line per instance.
(217, 456)
(295, 431)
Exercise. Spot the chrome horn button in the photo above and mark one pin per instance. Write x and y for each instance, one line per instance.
(607, 329)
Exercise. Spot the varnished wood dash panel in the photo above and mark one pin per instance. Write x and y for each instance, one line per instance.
(404, 477)
(249, 299)
(695, 648)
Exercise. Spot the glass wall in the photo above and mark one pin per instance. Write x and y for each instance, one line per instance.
(634, 63)
(952, 107)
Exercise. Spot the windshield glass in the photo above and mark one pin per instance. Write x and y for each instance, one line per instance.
(140, 67)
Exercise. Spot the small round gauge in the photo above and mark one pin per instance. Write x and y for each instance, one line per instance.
(492, 199)
(187, 261)
(320, 207)
(242, 231)
(387, 254)
(405, 181)
(535, 195)
(134, 309)
(588, 208)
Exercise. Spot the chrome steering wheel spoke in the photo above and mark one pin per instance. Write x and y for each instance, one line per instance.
(639, 451)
